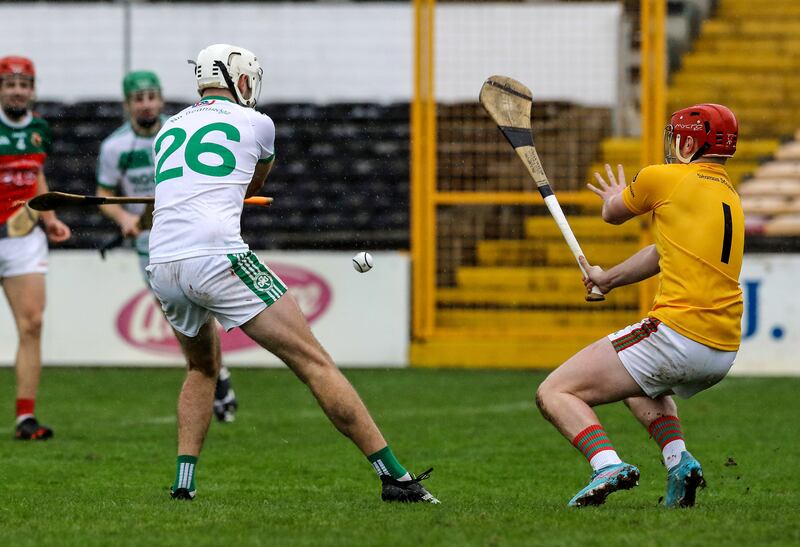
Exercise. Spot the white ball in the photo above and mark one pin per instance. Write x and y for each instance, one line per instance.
(362, 262)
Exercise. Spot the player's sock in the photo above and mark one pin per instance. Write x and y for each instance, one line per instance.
(666, 431)
(25, 409)
(385, 463)
(223, 384)
(184, 473)
(594, 443)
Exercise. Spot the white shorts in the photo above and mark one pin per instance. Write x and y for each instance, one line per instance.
(663, 361)
(23, 255)
(233, 288)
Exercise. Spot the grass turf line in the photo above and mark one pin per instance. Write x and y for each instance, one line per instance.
(281, 475)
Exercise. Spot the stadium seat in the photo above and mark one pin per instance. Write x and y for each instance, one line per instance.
(766, 205)
(556, 253)
(783, 225)
(584, 228)
(770, 187)
(340, 168)
(789, 152)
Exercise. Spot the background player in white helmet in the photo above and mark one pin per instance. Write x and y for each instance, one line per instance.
(24, 145)
(125, 167)
(209, 157)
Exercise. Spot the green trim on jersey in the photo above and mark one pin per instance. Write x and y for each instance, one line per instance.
(215, 98)
(258, 278)
(106, 185)
(267, 159)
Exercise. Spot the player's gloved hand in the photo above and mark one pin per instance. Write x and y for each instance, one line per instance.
(595, 277)
(56, 230)
(129, 225)
(614, 186)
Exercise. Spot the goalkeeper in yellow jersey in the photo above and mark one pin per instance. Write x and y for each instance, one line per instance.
(689, 340)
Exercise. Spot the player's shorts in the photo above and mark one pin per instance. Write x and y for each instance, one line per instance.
(233, 288)
(23, 255)
(663, 361)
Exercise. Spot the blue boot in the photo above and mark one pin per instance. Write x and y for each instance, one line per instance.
(682, 482)
(619, 476)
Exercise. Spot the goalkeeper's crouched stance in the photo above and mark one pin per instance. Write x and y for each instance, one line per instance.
(689, 340)
(201, 270)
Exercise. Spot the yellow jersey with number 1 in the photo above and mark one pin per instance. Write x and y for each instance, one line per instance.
(698, 226)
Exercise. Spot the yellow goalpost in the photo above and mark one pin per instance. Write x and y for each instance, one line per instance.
(484, 291)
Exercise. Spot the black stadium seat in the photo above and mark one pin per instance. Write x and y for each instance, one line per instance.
(340, 179)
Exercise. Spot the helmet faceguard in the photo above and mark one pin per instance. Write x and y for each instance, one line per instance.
(713, 128)
(222, 65)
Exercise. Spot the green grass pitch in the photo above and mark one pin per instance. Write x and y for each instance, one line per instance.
(281, 475)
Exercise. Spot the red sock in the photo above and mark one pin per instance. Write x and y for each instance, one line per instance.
(25, 406)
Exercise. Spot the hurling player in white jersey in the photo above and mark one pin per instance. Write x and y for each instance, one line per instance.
(209, 157)
(125, 167)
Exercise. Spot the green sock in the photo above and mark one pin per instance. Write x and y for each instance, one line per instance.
(385, 463)
(184, 473)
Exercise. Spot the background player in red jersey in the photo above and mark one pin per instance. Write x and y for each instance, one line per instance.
(24, 145)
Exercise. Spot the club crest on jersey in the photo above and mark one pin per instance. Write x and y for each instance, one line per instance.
(263, 282)
(36, 139)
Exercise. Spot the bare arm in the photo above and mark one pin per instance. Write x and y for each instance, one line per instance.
(640, 266)
(259, 177)
(128, 223)
(56, 230)
(614, 209)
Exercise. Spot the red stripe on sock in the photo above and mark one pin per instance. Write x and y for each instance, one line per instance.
(596, 449)
(665, 429)
(579, 437)
(25, 406)
(592, 440)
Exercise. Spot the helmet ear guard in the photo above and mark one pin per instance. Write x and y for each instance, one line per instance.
(222, 65)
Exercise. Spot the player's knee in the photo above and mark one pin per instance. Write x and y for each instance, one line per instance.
(30, 326)
(207, 366)
(542, 392)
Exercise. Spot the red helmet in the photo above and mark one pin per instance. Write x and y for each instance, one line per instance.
(712, 126)
(17, 65)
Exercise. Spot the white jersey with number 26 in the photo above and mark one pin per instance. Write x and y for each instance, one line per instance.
(205, 158)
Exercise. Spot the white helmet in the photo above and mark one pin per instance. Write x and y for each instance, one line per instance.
(221, 65)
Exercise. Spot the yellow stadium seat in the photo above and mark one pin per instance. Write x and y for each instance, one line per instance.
(534, 279)
(770, 187)
(784, 225)
(789, 151)
(714, 61)
(621, 150)
(630, 170)
(766, 205)
(505, 319)
(745, 28)
(500, 252)
(584, 228)
(624, 296)
(779, 170)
